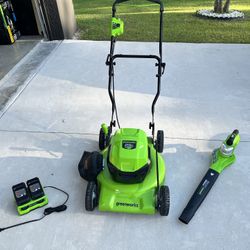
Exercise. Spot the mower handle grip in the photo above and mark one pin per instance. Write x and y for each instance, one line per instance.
(153, 1)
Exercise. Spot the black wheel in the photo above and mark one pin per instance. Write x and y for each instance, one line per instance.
(91, 198)
(103, 139)
(164, 201)
(160, 141)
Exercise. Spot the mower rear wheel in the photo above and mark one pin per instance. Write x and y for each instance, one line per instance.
(91, 197)
(160, 141)
(164, 201)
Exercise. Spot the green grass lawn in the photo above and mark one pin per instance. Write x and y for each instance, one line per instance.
(180, 22)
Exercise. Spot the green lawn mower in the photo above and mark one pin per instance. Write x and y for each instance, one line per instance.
(128, 173)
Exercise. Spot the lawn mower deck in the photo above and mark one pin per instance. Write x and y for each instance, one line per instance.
(133, 191)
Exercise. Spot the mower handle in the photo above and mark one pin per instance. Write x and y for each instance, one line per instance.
(160, 64)
(153, 1)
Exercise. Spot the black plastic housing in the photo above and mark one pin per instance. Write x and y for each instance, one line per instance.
(21, 194)
(199, 195)
(35, 188)
(90, 165)
(128, 177)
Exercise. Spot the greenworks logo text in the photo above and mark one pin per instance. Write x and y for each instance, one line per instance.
(124, 204)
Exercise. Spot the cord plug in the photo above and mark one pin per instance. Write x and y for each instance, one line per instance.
(58, 209)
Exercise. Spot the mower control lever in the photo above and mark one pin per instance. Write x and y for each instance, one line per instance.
(153, 1)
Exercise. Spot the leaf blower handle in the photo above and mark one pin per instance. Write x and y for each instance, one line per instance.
(199, 195)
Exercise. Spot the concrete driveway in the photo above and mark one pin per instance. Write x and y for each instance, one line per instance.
(46, 125)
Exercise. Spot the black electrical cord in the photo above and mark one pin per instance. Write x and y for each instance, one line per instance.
(157, 168)
(46, 211)
(67, 195)
(20, 224)
(115, 108)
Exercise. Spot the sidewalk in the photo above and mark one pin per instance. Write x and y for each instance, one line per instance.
(46, 125)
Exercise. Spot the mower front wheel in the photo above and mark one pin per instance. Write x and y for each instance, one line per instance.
(164, 201)
(91, 197)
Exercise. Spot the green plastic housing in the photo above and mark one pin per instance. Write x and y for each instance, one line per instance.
(33, 204)
(221, 161)
(117, 27)
(105, 129)
(129, 160)
(131, 198)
